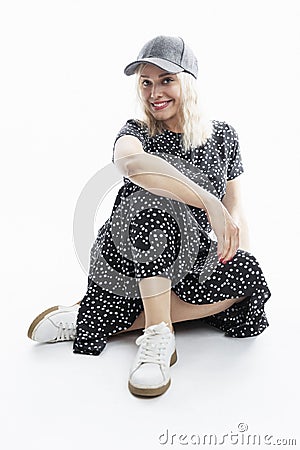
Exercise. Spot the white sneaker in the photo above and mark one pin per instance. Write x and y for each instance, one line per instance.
(150, 371)
(55, 324)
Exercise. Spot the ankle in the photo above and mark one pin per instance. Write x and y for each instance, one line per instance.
(169, 324)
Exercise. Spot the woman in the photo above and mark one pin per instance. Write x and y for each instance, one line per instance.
(153, 262)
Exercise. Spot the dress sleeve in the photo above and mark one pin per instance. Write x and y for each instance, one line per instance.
(132, 128)
(235, 163)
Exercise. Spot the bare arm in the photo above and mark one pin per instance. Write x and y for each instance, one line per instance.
(156, 175)
(232, 201)
(161, 178)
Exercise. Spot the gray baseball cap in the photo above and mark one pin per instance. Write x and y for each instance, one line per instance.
(168, 53)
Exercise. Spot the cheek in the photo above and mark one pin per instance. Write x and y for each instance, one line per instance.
(178, 95)
(144, 94)
(175, 93)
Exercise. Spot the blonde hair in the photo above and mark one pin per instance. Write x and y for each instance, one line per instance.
(196, 127)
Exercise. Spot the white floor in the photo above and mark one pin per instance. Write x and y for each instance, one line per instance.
(52, 398)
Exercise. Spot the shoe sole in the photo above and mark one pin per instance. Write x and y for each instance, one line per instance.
(43, 315)
(152, 392)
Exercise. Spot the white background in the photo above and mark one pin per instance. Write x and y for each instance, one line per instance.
(63, 99)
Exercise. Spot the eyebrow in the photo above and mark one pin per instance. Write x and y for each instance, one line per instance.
(159, 76)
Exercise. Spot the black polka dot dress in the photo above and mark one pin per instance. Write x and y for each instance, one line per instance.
(150, 235)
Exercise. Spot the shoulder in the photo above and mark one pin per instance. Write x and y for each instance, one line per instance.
(133, 126)
(225, 132)
(222, 127)
(136, 128)
(129, 140)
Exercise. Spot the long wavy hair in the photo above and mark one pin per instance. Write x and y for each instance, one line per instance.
(196, 127)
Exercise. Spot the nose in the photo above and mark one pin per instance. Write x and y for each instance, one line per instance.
(156, 91)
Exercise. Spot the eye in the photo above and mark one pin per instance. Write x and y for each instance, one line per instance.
(167, 80)
(146, 83)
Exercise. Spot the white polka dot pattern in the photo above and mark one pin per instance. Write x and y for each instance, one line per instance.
(146, 235)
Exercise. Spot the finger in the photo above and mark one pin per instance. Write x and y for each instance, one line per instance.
(234, 245)
(220, 247)
(226, 252)
(228, 243)
(225, 247)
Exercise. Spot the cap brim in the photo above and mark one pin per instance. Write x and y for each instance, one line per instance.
(161, 63)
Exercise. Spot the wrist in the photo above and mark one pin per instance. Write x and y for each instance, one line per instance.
(210, 202)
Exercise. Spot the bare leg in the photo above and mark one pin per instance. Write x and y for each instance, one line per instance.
(180, 310)
(156, 296)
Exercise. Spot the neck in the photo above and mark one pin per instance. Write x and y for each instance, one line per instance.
(174, 127)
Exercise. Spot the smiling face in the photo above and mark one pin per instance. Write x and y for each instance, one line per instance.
(161, 95)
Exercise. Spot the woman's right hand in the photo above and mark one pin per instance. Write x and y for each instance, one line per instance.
(225, 229)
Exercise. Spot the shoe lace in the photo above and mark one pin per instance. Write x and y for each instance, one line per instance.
(66, 331)
(153, 345)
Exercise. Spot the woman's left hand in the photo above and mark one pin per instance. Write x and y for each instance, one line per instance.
(225, 229)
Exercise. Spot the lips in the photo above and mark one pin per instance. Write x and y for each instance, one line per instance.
(157, 106)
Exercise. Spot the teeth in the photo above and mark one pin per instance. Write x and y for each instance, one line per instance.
(160, 104)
